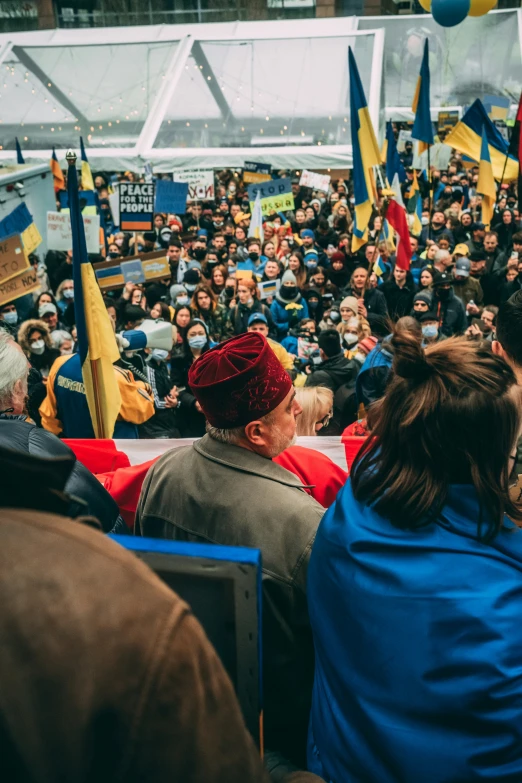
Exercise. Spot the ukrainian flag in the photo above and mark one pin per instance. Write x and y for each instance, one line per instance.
(19, 157)
(415, 206)
(366, 155)
(87, 180)
(486, 183)
(466, 137)
(422, 127)
(96, 339)
(391, 159)
(379, 267)
(59, 182)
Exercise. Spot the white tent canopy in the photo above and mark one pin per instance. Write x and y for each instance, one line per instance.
(214, 95)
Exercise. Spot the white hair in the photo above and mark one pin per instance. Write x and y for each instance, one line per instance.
(14, 369)
(441, 255)
(58, 337)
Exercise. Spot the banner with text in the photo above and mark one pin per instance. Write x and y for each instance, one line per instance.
(200, 183)
(136, 206)
(311, 179)
(276, 195)
(171, 197)
(59, 236)
(256, 172)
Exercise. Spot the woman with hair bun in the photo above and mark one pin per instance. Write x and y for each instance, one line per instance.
(415, 582)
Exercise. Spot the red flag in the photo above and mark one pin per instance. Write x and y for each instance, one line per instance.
(396, 217)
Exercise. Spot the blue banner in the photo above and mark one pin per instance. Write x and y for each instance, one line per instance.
(16, 222)
(171, 197)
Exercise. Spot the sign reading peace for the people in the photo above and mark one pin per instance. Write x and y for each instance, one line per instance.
(136, 206)
(276, 195)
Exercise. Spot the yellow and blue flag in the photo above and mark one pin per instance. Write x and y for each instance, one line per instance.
(379, 267)
(96, 339)
(486, 183)
(19, 157)
(422, 127)
(392, 159)
(414, 206)
(87, 180)
(466, 137)
(366, 155)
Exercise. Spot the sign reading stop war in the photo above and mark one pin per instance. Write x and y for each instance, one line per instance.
(136, 206)
(276, 195)
(23, 283)
(12, 258)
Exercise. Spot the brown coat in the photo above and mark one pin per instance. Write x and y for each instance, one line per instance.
(215, 493)
(105, 675)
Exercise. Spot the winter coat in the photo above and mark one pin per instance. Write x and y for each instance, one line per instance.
(41, 362)
(374, 301)
(164, 423)
(20, 435)
(191, 421)
(286, 315)
(417, 636)
(239, 315)
(217, 323)
(398, 300)
(451, 314)
(470, 290)
(223, 494)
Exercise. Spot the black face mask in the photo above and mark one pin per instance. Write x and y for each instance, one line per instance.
(229, 290)
(444, 293)
(199, 254)
(313, 304)
(253, 256)
(288, 292)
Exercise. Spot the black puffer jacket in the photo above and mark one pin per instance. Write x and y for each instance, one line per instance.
(19, 435)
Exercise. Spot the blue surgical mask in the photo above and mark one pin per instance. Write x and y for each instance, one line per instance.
(182, 300)
(311, 265)
(11, 318)
(313, 304)
(68, 293)
(430, 330)
(159, 354)
(199, 341)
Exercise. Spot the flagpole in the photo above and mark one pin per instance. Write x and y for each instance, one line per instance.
(71, 160)
(430, 193)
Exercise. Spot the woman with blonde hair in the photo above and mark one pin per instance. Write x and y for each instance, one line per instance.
(317, 405)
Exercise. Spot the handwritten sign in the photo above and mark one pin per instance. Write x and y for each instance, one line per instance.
(276, 195)
(311, 179)
(136, 206)
(200, 183)
(23, 283)
(59, 236)
(12, 258)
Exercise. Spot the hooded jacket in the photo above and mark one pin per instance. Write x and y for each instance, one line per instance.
(287, 313)
(43, 361)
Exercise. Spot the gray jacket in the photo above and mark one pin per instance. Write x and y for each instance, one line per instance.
(215, 493)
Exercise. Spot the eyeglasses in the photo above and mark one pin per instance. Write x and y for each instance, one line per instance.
(324, 422)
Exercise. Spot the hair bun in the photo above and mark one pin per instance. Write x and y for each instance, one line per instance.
(409, 359)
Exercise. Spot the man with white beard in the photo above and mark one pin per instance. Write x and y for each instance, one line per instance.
(225, 489)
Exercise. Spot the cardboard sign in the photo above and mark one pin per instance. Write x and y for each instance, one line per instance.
(311, 179)
(59, 235)
(13, 260)
(136, 206)
(152, 266)
(447, 120)
(276, 195)
(200, 183)
(256, 172)
(31, 238)
(23, 283)
(269, 288)
(16, 221)
(497, 107)
(171, 197)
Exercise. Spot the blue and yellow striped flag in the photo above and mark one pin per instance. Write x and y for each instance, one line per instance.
(486, 183)
(366, 155)
(422, 127)
(414, 206)
(96, 339)
(87, 180)
(19, 157)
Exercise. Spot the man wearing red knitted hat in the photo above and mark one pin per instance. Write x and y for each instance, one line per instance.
(225, 489)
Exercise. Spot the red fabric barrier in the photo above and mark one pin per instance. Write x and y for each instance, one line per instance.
(352, 443)
(99, 456)
(124, 485)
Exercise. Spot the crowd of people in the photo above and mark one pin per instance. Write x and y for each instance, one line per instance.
(390, 611)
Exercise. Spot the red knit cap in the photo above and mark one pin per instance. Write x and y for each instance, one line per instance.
(239, 381)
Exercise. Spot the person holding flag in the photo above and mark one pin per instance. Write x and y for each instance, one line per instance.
(486, 183)
(366, 155)
(87, 395)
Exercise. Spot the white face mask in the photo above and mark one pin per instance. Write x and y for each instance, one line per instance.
(350, 339)
(68, 293)
(38, 347)
(159, 354)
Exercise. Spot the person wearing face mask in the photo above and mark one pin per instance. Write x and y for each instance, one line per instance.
(436, 230)
(196, 342)
(35, 341)
(179, 295)
(315, 304)
(65, 301)
(228, 293)
(164, 423)
(289, 305)
(62, 341)
(191, 279)
(448, 307)
(430, 329)
(9, 318)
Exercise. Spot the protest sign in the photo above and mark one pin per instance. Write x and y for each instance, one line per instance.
(447, 120)
(276, 195)
(147, 170)
(20, 221)
(59, 236)
(200, 183)
(404, 136)
(13, 260)
(440, 155)
(142, 268)
(87, 201)
(114, 202)
(31, 238)
(256, 172)
(497, 106)
(268, 288)
(171, 197)
(136, 206)
(311, 179)
(23, 283)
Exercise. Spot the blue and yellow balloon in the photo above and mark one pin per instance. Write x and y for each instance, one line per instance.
(448, 13)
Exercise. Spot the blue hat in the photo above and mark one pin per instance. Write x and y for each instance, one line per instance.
(202, 232)
(257, 317)
(307, 232)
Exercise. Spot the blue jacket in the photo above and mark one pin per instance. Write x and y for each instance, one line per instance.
(418, 640)
(283, 315)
